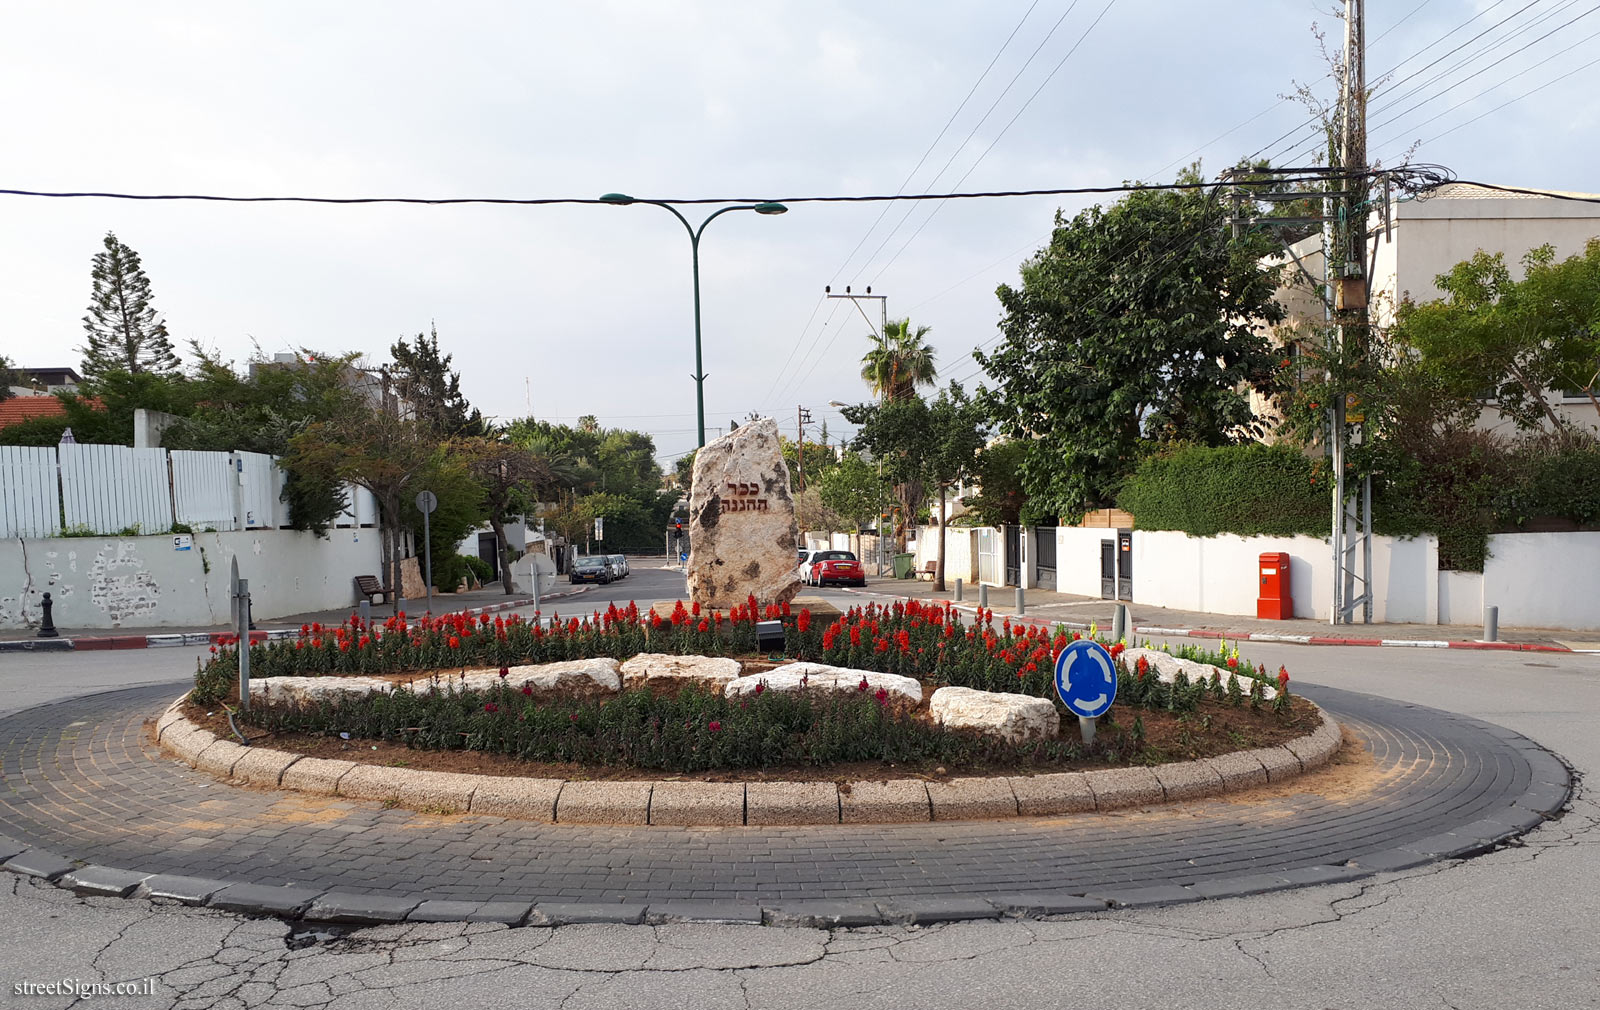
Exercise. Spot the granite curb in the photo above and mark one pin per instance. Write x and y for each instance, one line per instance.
(755, 804)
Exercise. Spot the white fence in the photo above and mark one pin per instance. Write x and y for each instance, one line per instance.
(29, 502)
(108, 489)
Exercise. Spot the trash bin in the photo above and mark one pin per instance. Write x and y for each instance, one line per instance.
(903, 564)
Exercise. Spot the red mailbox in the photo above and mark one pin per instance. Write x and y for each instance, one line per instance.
(1275, 602)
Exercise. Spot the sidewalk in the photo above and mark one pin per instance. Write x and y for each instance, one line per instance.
(478, 601)
(1043, 606)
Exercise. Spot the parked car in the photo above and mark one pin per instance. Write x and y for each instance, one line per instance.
(619, 565)
(838, 567)
(590, 568)
(806, 557)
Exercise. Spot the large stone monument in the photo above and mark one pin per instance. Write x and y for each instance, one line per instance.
(742, 536)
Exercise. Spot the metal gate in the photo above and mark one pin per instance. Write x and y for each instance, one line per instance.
(1044, 541)
(989, 555)
(1013, 555)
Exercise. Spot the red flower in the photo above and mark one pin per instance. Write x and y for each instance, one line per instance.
(714, 726)
(305, 629)
(761, 685)
(454, 642)
(527, 689)
(882, 695)
(695, 609)
(316, 626)
(1233, 662)
(316, 643)
(1115, 650)
(504, 672)
(1283, 677)
(855, 634)
(863, 685)
(803, 622)
(573, 717)
(1142, 667)
(344, 645)
(365, 641)
(213, 650)
(491, 707)
(704, 625)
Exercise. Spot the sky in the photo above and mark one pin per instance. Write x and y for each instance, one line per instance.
(571, 310)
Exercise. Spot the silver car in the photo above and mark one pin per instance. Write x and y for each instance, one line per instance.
(619, 565)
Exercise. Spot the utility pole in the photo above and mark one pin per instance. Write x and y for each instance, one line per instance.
(802, 417)
(856, 300)
(1345, 259)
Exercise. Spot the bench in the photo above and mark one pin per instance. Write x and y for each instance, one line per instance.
(928, 571)
(367, 587)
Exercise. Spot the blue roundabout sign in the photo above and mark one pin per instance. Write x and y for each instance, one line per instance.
(1086, 678)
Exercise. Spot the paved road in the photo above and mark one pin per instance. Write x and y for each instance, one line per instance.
(1513, 928)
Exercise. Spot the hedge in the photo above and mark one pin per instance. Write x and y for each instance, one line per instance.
(1251, 490)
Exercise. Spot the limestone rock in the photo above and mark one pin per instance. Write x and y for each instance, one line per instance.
(819, 677)
(1013, 717)
(655, 669)
(742, 534)
(1166, 667)
(573, 678)
(315, 690)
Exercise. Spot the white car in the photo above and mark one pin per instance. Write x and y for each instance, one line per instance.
(806, 557)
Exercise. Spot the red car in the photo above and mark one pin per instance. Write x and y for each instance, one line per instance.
(839, 567)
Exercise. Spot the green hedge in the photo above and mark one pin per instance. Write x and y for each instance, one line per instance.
(1265, 490)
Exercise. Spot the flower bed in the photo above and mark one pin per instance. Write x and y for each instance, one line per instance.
(694, 729)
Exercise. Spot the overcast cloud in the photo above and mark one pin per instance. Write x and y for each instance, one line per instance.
(572, 310)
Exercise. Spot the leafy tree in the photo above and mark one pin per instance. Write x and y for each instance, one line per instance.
(379, 450)
(683, 469)
(1506, 343)
(817, 457)
(1001, 498)
(9, 377)
(899, 361)
(423, 378)
(1138, 321)
(852, 490)
(813, 513)
(510, 476)
(461, 507)
(124, 330)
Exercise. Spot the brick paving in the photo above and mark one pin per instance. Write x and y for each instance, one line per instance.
(81, 780)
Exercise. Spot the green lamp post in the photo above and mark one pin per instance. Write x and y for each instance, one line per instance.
(622, 199)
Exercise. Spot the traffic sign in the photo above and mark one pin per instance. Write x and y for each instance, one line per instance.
(683, 556)
(1086, 678)
(427, 501)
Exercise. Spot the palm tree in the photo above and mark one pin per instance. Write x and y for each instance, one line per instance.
(899, 360)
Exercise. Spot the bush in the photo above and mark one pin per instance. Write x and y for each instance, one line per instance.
(448, 571)
(478, 567)
(1250, 490)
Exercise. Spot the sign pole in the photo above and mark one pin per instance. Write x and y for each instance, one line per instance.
(241, 602)
(1086, 728)
(1086, 682)
(426, 502)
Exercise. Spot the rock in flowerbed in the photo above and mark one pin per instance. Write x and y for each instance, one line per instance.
(575, 678)
(662, 671)
(315, 690)
(1013, 717)
(1167, 667)
(820, 677)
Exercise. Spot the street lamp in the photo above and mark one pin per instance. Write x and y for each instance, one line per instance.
(768, 208)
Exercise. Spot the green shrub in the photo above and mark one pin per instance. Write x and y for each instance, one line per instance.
(479, 567)
(449, 570)
(1250, 490)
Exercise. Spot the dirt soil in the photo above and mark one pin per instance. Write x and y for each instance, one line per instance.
(1215, 728)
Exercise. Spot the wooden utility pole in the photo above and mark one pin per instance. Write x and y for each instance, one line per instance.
(802, 417)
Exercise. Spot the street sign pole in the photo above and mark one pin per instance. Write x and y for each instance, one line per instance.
(427, 501)
(241, 603)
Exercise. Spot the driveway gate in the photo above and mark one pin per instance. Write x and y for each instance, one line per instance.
(1044, 540)
(989, 555)
(1013, 555)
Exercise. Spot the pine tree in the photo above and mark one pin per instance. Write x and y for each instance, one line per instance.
(125, 333)
(423, 378)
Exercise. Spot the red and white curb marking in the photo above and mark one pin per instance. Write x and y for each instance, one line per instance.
(100, 643)
(1258, 636)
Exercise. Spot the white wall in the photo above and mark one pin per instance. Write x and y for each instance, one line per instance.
(1219, 575)
(144, 582)
(1460, 597)
(1078, 559)
(1544, 580)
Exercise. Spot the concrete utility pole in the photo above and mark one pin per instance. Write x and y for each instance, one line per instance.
(883, 326)
(1344, 258)
(802, 417)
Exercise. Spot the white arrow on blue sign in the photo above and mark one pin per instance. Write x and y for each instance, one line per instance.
(1086, 678)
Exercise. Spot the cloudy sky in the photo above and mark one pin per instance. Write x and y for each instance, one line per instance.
(563, 311)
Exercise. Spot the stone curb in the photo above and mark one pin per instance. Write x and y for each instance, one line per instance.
(753, 804)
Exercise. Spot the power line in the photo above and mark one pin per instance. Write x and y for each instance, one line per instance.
(1497, 108)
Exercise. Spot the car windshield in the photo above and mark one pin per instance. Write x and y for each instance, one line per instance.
(589, 563)
(835, 556)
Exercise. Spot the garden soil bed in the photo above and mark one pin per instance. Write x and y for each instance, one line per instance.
(1215, 728)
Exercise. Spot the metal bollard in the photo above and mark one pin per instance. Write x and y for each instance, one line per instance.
(47, 624)
(958, 590)
(983, 596)
(1119, 624)
(1491, 624)
(365, 608)
(1021, 606)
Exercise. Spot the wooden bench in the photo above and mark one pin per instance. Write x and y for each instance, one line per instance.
(367, 587)
(928, 571)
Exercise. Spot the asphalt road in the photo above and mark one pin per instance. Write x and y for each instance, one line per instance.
(1514, 928)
